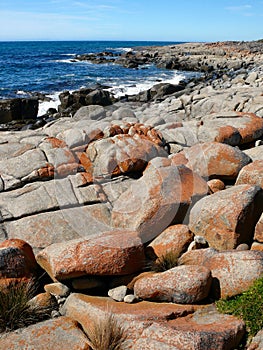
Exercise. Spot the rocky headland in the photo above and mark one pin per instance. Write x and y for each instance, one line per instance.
(97, 193)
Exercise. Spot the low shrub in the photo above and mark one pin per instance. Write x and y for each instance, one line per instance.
(248, 306)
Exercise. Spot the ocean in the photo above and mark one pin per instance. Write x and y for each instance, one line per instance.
(46, 67)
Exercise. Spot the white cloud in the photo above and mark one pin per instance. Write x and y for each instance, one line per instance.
(238, 8)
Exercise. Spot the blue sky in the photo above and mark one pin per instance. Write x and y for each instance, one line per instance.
(165, 20)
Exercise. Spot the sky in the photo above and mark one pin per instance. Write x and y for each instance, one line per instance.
(151, 20)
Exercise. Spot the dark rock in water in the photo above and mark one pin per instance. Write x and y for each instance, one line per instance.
(98, 97)
(39, 123)
(18, 109)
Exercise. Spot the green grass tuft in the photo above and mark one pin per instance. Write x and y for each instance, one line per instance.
(15, 312)
(248, 306)
(165, 262)
(106, 333)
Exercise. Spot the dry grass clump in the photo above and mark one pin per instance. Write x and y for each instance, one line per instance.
(165, 262)
(15, 310)
(106, 333)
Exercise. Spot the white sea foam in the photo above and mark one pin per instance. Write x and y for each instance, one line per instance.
(21, 92)
(129, 88)
(45, 105)
(133, 89)
(69, 60)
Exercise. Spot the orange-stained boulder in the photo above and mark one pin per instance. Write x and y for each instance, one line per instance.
(233, 128)
(216, 185)
(215, 160)
(54, 334)
(110, 253)
(17, 262)
(233, 271)
(160, 197)
(181, 284)
(122, 154)
(227, 218)
(251, 174)
(175, 238)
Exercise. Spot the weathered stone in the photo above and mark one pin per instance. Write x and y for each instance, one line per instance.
(160, 197)
(47, 335)
(233, 271)
(204, 330)
(16, 170)
(255, 153)
(257, 246)
(226, 226)
(118, 293)
(44, 229)
(251, 174)
(92, 112)
(130, 299)
(257, 341)
(134, 318)
(57, 289)
(259, 230)
(175, 238)
(122, 154)
(233, 128)
(110, 253)
(216, 185)
(17, 261)
(182, 285)
(215, 160)
(44, 300)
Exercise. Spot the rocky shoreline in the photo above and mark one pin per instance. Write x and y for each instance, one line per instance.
(105, 188)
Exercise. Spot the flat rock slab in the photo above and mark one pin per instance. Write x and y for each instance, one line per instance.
(204, 330)
(228, 218)
(44, 229)
(48, 335)
(182, 285)
(150, 325)
(133, 317)
(110, 253)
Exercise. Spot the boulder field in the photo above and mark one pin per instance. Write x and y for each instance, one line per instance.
(90, 203)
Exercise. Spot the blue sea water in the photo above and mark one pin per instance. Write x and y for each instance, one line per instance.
(47, 67)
